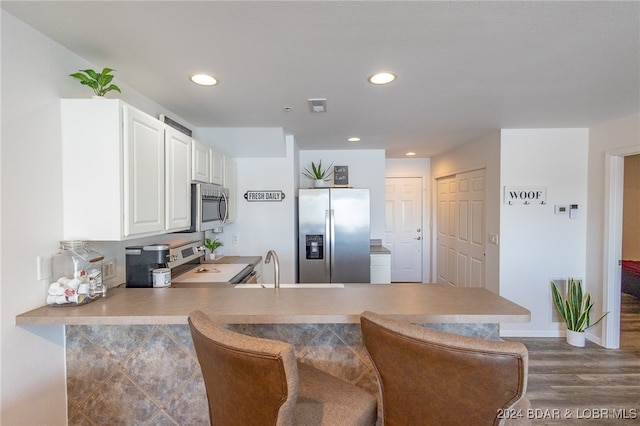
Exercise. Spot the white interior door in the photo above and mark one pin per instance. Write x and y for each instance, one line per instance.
(446, 232)
(403, 232)
(461, 229)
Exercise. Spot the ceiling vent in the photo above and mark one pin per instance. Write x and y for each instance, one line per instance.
(317, 105)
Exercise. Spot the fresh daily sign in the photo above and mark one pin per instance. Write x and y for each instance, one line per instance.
(254, 196)
(525, 195)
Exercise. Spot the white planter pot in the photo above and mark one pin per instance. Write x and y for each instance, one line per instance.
(576, 338)
(319, 183)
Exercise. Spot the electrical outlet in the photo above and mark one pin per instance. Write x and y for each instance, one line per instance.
(44, 267)
(235, 239)
(108, 269)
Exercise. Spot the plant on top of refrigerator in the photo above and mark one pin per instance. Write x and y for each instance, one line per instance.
(317, 173)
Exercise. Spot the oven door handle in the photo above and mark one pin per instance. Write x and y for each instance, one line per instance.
(248, 277)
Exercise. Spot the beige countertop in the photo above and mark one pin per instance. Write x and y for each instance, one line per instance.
(419, 303)
(379, 249)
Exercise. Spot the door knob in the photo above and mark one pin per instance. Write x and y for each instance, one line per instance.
(418, 238)
(418, 230)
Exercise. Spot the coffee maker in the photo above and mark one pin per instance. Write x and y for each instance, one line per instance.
(142, 260)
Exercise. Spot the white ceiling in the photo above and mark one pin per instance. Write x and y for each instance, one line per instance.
(464, 69)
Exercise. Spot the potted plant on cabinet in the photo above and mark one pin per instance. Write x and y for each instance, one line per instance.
(574, 310)
(318, 175)
(99, 82)
(212, 245)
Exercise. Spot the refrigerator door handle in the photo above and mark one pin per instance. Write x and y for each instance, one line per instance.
(332, 243)
(328, 234)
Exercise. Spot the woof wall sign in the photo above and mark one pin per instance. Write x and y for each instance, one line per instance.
(525, 195)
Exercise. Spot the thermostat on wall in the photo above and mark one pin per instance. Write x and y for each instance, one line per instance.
(561, 209)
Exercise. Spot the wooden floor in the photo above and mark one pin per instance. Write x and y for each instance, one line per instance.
(591, 385)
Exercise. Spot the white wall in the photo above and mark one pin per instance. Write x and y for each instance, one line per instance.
(261, 227)
(34, 77)
(537, 245)
(366, 170)
(483, 153)
(616, 137)
(417, 168)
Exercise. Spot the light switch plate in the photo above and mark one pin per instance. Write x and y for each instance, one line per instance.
(44, 267)
(108, 269)
(493, 239)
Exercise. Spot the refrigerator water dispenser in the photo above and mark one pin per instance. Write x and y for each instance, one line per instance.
(315, 246)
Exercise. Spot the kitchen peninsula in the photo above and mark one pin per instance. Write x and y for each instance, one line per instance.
(130, 357)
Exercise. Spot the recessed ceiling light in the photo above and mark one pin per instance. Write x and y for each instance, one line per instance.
(410, 153)
(382, 78)
(354, 139)
(203, 79)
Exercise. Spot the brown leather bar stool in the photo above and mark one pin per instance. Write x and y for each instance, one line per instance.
(255, 381)
(429, 377)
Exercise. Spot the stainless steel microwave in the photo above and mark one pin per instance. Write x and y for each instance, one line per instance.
(209, 206)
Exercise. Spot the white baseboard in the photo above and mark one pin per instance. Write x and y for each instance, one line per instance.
(531, 333)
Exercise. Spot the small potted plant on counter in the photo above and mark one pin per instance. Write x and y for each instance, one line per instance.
(99, 82)
(574, 310)
(318, 175)
(212, 245)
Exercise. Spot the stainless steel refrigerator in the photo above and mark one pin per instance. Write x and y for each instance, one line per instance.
(333, 235)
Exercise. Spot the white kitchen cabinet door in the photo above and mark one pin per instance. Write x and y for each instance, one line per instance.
(200, 162)
(380, 268)
(217, 167)
(144, 188)
(112, 171)
(177, 180)
(230, 182)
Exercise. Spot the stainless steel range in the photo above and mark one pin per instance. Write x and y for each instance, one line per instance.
(186, 263)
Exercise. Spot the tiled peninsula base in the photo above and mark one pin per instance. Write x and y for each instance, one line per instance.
(149, 374)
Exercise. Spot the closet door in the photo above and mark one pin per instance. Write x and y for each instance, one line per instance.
(461, 229)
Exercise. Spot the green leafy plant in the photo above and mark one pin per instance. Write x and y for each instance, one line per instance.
(575, 309)
(316, 172)
(212, 244)
(99, 82)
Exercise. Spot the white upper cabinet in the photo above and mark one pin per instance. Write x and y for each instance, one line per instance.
(143, 166)
(217, 167)
(207, 164)
(200, 162)
(114, 170)
(177, 180)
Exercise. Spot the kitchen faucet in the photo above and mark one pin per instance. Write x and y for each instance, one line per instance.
(276, 267)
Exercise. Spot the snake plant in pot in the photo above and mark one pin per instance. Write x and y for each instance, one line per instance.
(317, 174)
(574, 310)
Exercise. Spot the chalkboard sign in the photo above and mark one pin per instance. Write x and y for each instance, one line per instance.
(341, 175)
